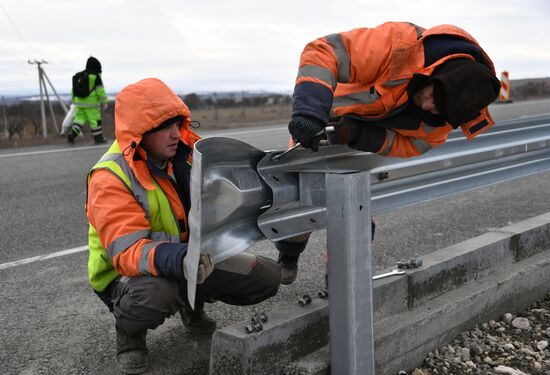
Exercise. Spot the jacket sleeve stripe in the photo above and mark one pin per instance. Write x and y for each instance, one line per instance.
(122, 243)
(395, 82)
(390, 136)
(363, 97)
(421, 145)
(163, 236)
(143, 266)
(335, 41)
(419, 30)
(318, 72)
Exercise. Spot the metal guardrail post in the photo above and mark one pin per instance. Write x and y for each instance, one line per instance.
(350, 273)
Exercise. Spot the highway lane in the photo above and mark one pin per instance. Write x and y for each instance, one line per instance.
(42, 189)
(50, 321)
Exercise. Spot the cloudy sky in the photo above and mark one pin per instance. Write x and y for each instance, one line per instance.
(220, 45)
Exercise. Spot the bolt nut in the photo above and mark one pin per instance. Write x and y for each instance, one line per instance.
(263, 317)
(322, 294)
(258, 326)
(304, 300)
(259, 317)
(383, 176)
(254, 327)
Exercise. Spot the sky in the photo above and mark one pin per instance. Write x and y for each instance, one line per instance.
(233, 45)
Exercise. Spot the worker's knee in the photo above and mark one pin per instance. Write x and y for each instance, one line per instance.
(266, 279)
(146, 302)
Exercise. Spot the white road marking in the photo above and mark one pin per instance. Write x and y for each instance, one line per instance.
(43, 257)
(52, 151)
(211, 133)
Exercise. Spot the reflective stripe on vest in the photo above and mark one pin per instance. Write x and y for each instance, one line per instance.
(335, 41)
(159, 213)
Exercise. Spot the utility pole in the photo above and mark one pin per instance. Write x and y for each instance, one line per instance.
(44, 91)
(215, 106)
(6, 132)
(42, 110)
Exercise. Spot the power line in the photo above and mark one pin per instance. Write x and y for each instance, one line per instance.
(17, 30)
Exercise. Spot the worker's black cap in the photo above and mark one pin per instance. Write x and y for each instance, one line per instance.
(462, 88)
(165, 124)
(93, 65)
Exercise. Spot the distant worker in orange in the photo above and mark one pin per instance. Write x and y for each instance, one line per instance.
(397, 89)
(138, 205)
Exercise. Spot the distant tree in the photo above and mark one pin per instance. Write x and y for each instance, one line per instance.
(193, 101)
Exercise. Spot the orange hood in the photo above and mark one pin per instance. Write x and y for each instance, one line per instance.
(140, 107)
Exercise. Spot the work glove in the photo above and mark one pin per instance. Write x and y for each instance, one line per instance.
(206, 266)
(304, 129)
(345, 132)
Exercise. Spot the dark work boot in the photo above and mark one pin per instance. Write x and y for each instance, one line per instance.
(197, 321)
(98, 139)
(289, 267)
(71, 137)
(131, 352)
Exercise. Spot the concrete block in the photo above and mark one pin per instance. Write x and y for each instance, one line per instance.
(291, 332)
(449, 268)
(530, 236)
(390, 296)
(316, 363)
(457, 287)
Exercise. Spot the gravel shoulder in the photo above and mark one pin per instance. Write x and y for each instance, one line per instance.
(514, 345)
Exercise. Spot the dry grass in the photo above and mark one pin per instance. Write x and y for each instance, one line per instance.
(223, 118)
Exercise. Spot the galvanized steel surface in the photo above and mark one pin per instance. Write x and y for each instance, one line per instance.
(287, 195)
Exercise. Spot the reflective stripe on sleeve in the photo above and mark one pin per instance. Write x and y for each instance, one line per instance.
(335, 41)
(419, 30)
(427, 128)
(122, 243)
(395, 82)
(421, 145)
(318, 72)
(390, 136)
(143, 266)
(163, 236)
(363, 97)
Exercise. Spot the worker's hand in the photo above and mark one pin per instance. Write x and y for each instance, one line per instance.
(304, 129)
(344, 133)
(104, 106)
(206, 266)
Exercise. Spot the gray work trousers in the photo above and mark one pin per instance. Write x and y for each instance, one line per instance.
(144, 302)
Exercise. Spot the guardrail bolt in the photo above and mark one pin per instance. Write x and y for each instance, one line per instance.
(412, 263)
(383, 176)
(304, 300)
(254, 327)
(259, 317)
(322, 294)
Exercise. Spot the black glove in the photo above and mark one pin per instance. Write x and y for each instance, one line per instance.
(303, 130)
(346, 131)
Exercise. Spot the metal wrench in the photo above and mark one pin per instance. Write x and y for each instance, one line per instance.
(328, 129)
(387, 274)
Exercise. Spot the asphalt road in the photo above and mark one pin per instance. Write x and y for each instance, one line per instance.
(52, 323)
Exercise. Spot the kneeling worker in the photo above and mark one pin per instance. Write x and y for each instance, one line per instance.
(137, 205)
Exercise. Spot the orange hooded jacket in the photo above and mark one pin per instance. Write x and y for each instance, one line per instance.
(364, 74)
(111, 208)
